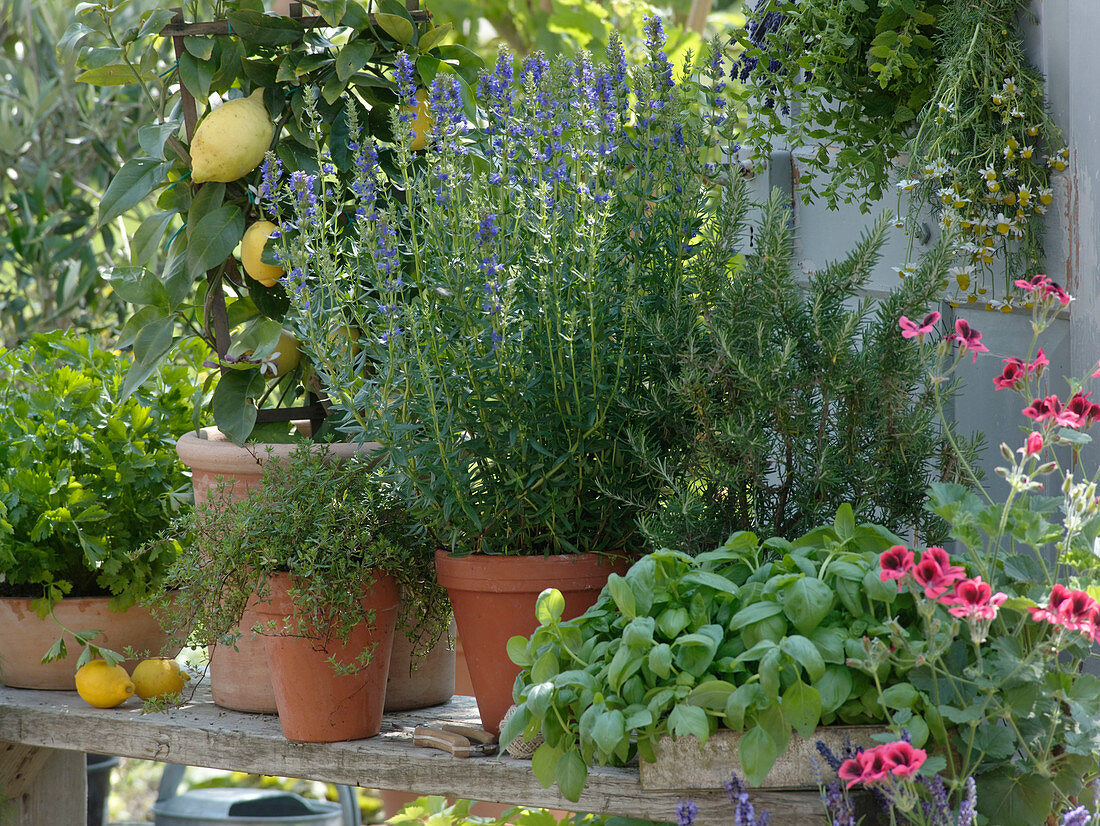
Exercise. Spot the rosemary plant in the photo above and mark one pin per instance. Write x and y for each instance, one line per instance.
(794, 397)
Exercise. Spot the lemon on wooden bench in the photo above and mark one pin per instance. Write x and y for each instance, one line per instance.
(102, 685)
(158, 678)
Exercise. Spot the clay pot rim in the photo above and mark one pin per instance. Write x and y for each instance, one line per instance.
(515, 574)
(209, 448)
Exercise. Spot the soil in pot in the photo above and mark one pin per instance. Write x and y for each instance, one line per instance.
(317, 705)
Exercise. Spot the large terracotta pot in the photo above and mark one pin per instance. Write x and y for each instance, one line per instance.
(25, 639)
(427, 681)
(317, 705)
(494, 597)
(239, 678)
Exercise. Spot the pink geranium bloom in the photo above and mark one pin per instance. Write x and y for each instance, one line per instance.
(910, 329)
(1013, 373)
(935, 573)
(1051, 408)
(973, 598)
(877, 764)
(904, 760)
(866, 767)
(1016, 371)
(1034, 443)
(1086, 411)
(1043, 285)
(1032, 284)
(1074, 610)
(895, 564)
(968, 339)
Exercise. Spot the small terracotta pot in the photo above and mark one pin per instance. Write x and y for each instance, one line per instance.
(427, 681)
(25, 639)
(494, 597)
(316, 705)
(239, 678)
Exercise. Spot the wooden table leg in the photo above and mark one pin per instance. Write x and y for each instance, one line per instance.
(42, 787)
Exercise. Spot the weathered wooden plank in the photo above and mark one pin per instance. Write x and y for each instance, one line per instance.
(42, 787)
(202, 734)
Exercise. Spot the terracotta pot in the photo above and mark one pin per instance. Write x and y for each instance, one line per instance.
(317, 705)
(493, 598)
(25, 639)
(427, 681)
(239, 678)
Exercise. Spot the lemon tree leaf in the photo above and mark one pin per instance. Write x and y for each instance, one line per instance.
(132, 185)
(399, 28)
(214, 238)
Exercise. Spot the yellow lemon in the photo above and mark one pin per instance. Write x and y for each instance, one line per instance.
(102, 685)
(231, 140)
(252, 249)
(159, 677)
(423, 121)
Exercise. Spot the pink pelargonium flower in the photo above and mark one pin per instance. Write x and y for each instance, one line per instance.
(895, 564)
(1073, 610)
(935, 573)
(1051, 408)
(904, 759)
(1086, 411)
(877, 764)
(968, 339)
(866, 767)
(1034, 443)
(973, 598)
(1015, 371)
(1046, 288)
(910, 329)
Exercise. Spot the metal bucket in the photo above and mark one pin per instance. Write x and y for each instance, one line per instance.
(244, 807)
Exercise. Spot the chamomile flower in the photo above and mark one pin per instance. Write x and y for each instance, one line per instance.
(1046, 196)
(1009, 85)
(1026, 151)
(962, 275)
(907, 184)
(905, 271)
(1003, 223)
(1023, 195)
(997, 98)
(989, 173)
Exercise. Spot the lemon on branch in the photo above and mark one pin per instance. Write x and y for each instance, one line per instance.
(231, 140)
(252, 248)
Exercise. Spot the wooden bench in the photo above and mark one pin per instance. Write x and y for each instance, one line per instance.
(43, 735)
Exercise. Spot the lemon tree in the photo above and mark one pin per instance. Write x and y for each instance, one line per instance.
(250, 78)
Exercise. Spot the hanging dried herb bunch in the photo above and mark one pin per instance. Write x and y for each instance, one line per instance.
(985, 149)
(938, 94)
